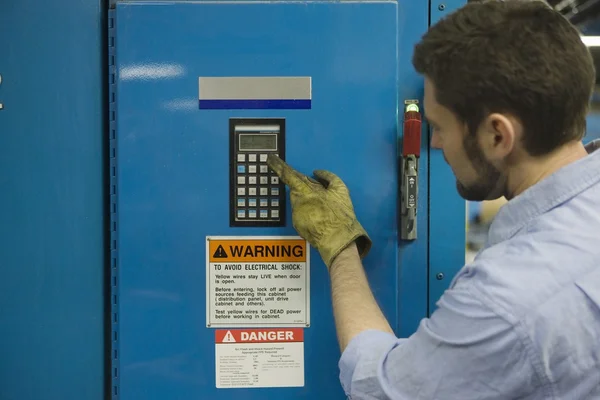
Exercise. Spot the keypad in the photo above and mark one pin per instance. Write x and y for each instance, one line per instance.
(258, 189)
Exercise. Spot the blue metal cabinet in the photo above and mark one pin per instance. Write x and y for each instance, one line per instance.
(170, 173)
(52, 200)
(172, 170)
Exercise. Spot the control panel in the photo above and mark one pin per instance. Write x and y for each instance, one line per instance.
(257, 197)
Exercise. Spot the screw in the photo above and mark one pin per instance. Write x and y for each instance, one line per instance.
(442, 7)
(439, 276)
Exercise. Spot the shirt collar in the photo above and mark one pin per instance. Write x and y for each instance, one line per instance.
(559, 187)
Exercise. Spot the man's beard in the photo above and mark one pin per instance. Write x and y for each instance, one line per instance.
(490, 182)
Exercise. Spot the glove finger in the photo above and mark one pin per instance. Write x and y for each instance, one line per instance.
(287, 174)
(314, 181)
(329, 180)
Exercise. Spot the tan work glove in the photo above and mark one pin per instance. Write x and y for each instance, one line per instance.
(322, 211)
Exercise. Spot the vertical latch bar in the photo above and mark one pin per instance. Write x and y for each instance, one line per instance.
(411, 151)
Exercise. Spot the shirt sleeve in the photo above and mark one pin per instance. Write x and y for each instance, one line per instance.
(464, 351)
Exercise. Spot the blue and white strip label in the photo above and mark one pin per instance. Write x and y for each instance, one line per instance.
(269, 92)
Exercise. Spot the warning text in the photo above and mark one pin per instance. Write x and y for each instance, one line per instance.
(258, 297)
(272, 293)
(261, 250)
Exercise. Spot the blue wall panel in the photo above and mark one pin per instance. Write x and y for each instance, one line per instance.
(52, 200)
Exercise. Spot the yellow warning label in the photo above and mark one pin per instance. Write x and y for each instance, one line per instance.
(257, 250)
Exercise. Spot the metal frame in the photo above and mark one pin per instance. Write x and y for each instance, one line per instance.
(114, 288)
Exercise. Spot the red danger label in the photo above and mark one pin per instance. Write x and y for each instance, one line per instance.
(279, 335)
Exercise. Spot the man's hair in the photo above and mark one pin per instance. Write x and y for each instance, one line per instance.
(516, 57)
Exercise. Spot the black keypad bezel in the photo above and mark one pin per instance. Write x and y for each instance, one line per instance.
(233, 181)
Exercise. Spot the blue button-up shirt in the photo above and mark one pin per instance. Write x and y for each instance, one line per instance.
(522, 321)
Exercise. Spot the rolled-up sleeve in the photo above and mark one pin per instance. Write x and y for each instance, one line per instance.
(464, 351)
(361, 359)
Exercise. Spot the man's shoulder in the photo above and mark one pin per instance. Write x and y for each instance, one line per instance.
(545, 257)
(545, 295)
(521, 276)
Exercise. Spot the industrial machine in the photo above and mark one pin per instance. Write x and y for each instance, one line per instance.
(211, 293)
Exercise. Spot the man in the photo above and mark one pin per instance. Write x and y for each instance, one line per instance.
(507, 87)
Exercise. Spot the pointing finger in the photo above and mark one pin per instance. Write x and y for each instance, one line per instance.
(287, 174)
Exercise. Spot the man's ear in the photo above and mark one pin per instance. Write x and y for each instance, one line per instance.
(498, 135)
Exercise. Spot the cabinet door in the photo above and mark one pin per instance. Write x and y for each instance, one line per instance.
(172, 179)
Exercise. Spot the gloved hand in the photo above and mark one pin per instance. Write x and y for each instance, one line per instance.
(322, 211)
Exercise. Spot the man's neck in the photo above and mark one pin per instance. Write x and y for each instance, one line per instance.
(531, 170)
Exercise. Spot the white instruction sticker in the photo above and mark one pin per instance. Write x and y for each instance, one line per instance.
(257, 281)
(259, 358)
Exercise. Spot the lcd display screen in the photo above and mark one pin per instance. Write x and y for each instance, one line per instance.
(258, 142)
